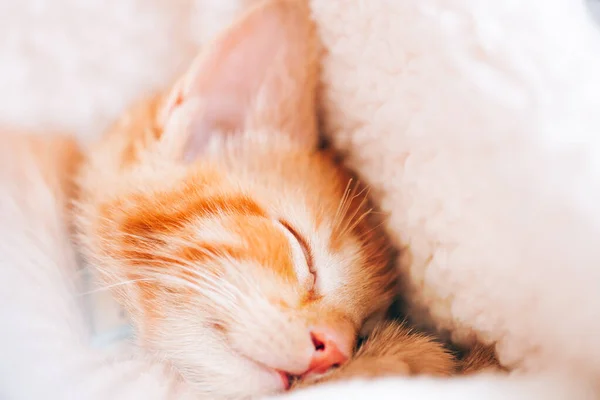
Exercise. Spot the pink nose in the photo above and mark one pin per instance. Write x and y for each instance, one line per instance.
(327, 355)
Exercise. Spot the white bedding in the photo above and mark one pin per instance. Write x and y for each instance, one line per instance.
(73, 66)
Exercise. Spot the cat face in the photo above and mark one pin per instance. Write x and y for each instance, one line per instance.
(243, 254)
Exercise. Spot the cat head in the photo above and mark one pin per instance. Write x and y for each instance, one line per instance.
(250, 254)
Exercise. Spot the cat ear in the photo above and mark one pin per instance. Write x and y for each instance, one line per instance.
(259, 74)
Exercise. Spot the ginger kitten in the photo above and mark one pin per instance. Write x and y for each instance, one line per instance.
(243, 254)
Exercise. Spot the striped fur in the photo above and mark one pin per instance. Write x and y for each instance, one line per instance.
(224, 259)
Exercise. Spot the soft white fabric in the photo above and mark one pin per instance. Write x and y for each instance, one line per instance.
(477, 124)
(74, 66)
(45, 342)
(489, 388)
(474, 120)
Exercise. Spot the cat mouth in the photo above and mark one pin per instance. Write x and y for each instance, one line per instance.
(286, 379)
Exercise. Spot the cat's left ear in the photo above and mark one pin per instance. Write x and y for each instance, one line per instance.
(261, 74)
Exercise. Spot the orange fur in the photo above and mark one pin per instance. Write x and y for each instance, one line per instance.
(396, 350)
(480, 358)
(226, 233)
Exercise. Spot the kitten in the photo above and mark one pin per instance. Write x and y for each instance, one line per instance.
(243, 254)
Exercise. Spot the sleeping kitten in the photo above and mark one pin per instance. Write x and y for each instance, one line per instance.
(243, 254)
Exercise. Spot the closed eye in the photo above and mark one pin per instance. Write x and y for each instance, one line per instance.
(305, 249)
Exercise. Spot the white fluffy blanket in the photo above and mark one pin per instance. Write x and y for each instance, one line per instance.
(475, 121)
(477, 124)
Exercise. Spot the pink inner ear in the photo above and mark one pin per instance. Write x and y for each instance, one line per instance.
(261, 73)
(228, 79)
(216, 118)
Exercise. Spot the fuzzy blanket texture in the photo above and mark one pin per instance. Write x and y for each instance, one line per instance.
(475, 122)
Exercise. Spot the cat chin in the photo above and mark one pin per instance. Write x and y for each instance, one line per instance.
(269, 381)
(242, 378)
